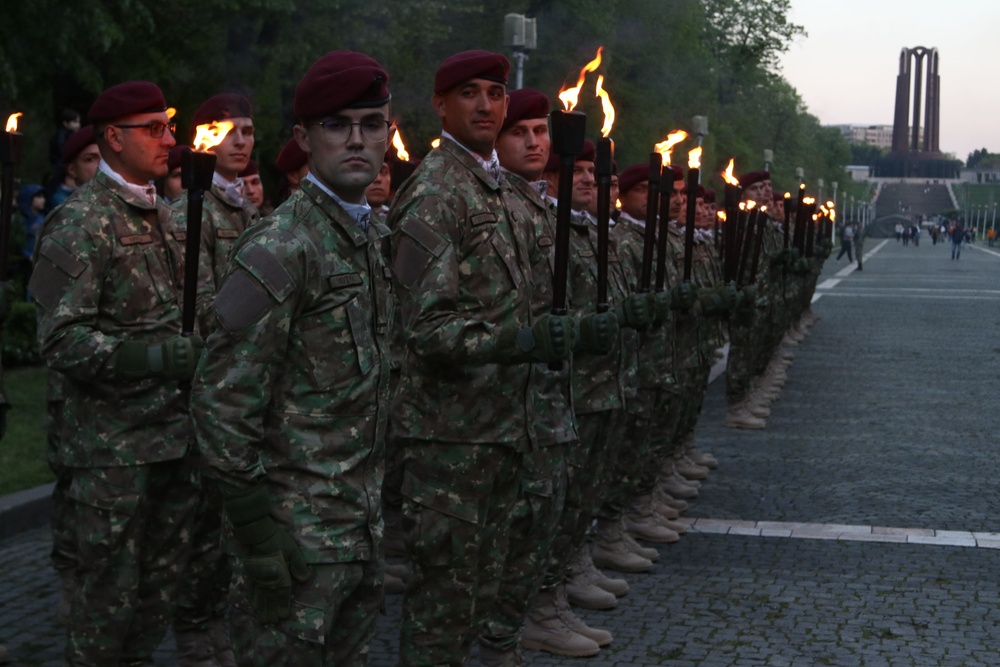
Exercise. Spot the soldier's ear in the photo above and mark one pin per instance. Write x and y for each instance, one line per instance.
(437, 101)
(302, 138)
(113, 138)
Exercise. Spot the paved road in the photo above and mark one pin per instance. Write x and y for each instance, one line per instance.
(880, 442)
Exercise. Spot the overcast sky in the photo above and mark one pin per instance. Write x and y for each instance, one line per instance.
(845, 69)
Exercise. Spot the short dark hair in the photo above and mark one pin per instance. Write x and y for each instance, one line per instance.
(69, 114)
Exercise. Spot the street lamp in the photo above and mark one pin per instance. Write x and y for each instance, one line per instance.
(819, 183)
(800, 174)
(520, 35)
(768, 159)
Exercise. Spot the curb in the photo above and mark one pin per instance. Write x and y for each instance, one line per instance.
(24, 510)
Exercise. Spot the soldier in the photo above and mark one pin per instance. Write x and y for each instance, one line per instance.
(106, 279)
(290, 401)
(78, 165)
(199, 625)
(377, 193)
(293, 164)
(253, 188)
(462, 411)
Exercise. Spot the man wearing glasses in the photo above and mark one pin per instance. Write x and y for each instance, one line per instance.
(290, 400)
(106, 281)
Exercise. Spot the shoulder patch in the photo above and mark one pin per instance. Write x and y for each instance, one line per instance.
(426, 238)
(544, 241)
(241, 302)
(136, 239)
(483, 219)
(345, 280)
(266, 268)
(227, 233)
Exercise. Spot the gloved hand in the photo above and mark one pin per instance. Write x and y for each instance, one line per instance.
(635, 311)
(271, 557)
(719, 300)
(660, 306)
(749, 296)
(682, 296)
(785, 258)
(175, 358)
(823, 249)
(802, 266)
(598, 333)
(550, 338)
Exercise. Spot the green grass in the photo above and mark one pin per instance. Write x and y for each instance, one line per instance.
(979, 194)
(22, 451)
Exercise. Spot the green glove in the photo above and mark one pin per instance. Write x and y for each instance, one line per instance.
(598, 333)
(634, 312)
(719, 300)
(683, 296)
(661, 305)
(802, 267)
(749, 298)
(271, 557)
(550, 338)
(175, 358)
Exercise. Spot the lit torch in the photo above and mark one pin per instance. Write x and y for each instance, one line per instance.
(603, 167)
(750, 222)
(10, 154)
(666, 190)
(567, 128)
(197, 168)
(730, 204)
(694, 166)
(759, 244)
(397, 143)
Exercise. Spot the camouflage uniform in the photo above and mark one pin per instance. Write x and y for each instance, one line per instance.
(652, 416)
(107, 270)
(203, 592)
(292, 393)
(542, 492)
(461, 247)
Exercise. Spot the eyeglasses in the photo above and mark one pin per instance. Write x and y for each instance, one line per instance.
(155, 127)
(339, 131)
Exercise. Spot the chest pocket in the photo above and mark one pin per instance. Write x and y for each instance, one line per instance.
(337, 338)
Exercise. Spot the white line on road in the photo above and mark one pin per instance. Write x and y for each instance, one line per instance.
(830, 283)
(986, 250)
(844, 532)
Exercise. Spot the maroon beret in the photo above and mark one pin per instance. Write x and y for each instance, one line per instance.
(77, 142)
(125, 99)
(709, 196)
(632, 176)
(589, 154)
(174, 157)
(341, 80)
(467, 65)
(291, 157)
(222, 107)
(251, 169)
(525, 104)
(614, 167)
(778, 196)
(746, 180)
(678, 172)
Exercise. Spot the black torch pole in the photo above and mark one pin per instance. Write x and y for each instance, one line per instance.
(758, 246)
(666, 191)
(10, 154)
(196, 175)
(603, 167)
(649, 237)
(692, 202)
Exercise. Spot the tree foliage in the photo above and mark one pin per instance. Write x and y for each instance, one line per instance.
(665, 61)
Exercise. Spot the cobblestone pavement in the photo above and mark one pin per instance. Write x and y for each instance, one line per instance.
(882, 431)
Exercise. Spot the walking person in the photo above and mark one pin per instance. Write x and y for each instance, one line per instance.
(957, 236)
(846, 241)
(859, 243)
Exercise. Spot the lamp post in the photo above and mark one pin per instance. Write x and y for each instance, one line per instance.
(520, 35)
(700, 126)
(800, 174)
(820, 184)
(768, 159)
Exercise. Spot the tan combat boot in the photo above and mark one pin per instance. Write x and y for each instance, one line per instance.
(576, 624)
(585, 564)
(687, 468)
(703, 459)
(636, 548)
(582, 592)
(664, 496)
(611, 553)
(545, 630)
(642, 523)
(661, 503)
(739, 416)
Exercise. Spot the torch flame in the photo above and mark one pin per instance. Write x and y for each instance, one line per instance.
(815, 217)
(722, 216)
(808, 201)
(397, 143)
(211, 135)
(664, 147)
(435, 142)
(570, 96)
(743, 206)
(609, 111)
(788, 195)
(12, 122)
(763, 209)
(751, 204)
(727, 175)
(694, 158)
(171, 112)
(833, 215)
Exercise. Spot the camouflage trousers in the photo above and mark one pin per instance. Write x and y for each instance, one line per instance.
(586, 460)
(647, 439)
(331, 624)
(63, 536)
(204, 587)
(457, 504)
(132, 527)
(693, 384)
(534, 518)
(741, 364)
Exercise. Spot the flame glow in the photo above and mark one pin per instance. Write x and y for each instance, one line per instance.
(763, 209)
(722, 216)
(666, 146)
(743, 206)
(397, 143)
(694, 158)
(570, 96)
(751, 205)
(808, 201)
(12, 122)
(171, 112)
(788, 195)
(435, 142)
(211, 135)
(727, 175)
(609, 110)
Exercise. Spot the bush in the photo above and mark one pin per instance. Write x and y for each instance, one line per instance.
(20, 341)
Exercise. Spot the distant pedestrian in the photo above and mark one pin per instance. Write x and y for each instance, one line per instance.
(991, 235)
(846, 242)
(859, 243)
(899, 231)
(957, 236)
(906, 235)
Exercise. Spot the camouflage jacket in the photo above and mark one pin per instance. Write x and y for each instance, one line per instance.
(292, 390)
(600, 382)
(108, 269)
(222, 222)
(461, 264)
(550, 397)
(656, 344)
(696, 335)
